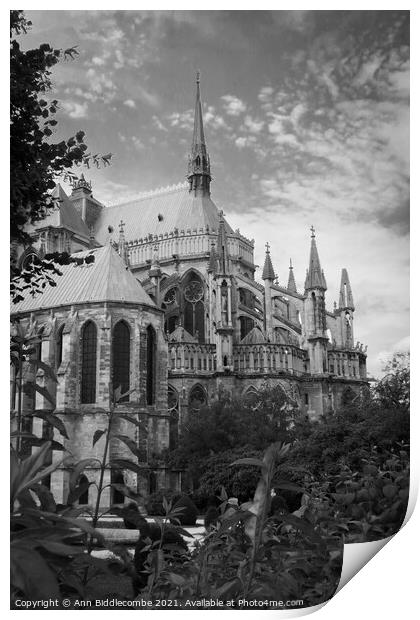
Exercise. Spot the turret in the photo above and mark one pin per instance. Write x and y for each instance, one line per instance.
(155, 274)
(291, 284)
(122, 245)
(199, 176)
(345, 311)
(315, 315)
(268, 276)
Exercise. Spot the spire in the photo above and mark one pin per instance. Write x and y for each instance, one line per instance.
(314, 276)
(199, 162)
(122, 245)
(268, 271)
(291, 284)
(346, 297)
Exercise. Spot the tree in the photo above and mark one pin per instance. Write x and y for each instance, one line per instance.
(36, 161)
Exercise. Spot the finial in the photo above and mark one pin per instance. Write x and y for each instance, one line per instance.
(198, 77)
(290, 266)
(313, 232)
(221, 214)
(267, 247)
(121, 225)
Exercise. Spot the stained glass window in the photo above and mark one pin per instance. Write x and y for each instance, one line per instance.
(121, 358)
(89, 343)
(150, 365)
(59, 346)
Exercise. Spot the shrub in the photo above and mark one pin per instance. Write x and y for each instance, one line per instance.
(189, 513)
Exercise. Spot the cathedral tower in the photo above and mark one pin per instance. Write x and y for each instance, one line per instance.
(315, 315)
(199, 162)
(345, 311)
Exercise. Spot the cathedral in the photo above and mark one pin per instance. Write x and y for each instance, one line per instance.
(168, 310)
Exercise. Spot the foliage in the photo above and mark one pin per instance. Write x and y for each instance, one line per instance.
(393, 391)
(248, 555)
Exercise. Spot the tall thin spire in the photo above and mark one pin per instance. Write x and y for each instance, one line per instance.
(199, 175)
(268, 271)
(346, 297)
(291, 284)
(314, 276)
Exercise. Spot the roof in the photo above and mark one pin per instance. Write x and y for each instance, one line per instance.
(255, 336)
(63, 215)
(105, 279)
(315, 276)
(268, 270)
(160, 212)
(181, 335)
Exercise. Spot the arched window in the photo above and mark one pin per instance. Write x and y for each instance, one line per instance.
(314, 311)
(117, 478)
(121, 359)
(194, 310)
(59, 347)
(150, 365)
(89, 343)
(198, 397)
(173, 410)
(84, 497)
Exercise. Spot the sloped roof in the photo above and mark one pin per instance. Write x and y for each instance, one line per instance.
(268, 271)
(63, 215)
(255, 336)
(181, 335)
(105, 279)
(160, 212)
(314, 276)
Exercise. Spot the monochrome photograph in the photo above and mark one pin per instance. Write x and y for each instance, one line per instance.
(209, 303)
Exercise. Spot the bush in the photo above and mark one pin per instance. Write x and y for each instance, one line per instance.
(189, 513)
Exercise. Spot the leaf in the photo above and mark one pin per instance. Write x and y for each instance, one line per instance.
(53, 420)
(45, 367)
(79, 467)
(31, 574)
(305, 527)
(130, 465)
(31, 388)
(132, 445)
(77, 491)
(97, 435)
(249, 461)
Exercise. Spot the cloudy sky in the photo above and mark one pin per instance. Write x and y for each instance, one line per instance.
(306, 120)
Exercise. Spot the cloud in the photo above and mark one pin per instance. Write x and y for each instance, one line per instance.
(233, 106)
(130, 103)
(74, 109)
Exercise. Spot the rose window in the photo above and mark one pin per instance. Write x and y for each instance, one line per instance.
(194, 291)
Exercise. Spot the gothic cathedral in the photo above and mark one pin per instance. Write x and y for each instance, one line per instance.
(170, 312)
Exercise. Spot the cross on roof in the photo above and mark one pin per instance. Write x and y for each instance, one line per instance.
(121, 225)
(267, 247)
(312, 231)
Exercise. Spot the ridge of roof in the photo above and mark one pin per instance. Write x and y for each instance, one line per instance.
(159, 191)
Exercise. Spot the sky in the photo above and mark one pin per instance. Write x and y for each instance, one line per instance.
(306, 119)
